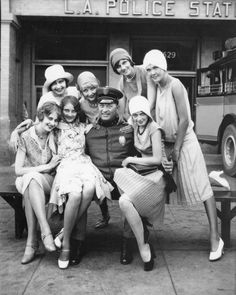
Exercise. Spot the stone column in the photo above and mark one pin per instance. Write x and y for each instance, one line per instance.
(8, 79)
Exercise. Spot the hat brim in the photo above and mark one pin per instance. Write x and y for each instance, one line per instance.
(107, 100)
(67, 76)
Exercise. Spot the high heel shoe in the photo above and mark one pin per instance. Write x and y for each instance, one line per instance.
(64, 258)
(216, 255)
(48, 242)
(148, 266)
(30, 252)
(58, 239)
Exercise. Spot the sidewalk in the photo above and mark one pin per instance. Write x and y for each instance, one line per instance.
(181, 266)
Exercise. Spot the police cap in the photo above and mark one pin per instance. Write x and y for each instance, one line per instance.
(108, 95)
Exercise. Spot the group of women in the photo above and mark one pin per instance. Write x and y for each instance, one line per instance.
(156, 105)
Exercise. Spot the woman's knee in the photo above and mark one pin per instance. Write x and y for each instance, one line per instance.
(124, 202)
(88, 190)
(34, 184)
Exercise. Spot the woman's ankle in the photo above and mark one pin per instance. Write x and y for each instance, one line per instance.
(145, 253)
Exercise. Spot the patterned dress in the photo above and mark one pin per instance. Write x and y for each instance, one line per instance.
(76, 167)
(191, 175)
(147, 193)
(35, 155)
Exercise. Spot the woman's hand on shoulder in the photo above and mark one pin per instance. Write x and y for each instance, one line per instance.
(24, 125)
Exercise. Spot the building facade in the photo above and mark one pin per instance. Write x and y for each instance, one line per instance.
(80, 34)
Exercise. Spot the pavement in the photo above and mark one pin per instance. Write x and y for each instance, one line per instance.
(181, 267)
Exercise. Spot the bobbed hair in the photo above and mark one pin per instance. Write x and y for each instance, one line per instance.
(50, 86)
(46, 109)
(80, 117)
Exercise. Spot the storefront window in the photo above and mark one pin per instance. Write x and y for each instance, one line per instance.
(180, 54)
(71, 48)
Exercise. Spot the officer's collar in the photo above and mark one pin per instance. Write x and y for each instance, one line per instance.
(108, 123)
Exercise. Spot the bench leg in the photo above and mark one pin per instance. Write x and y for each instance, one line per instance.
(225, 222)
(20, 223)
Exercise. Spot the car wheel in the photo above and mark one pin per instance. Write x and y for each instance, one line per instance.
(228, 150)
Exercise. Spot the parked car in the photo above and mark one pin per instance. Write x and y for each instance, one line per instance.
(216, 107)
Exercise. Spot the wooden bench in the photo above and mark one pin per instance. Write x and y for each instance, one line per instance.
(226, 213)
(9, 193)
(14, 199)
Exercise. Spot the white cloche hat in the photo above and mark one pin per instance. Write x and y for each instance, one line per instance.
(54, 73)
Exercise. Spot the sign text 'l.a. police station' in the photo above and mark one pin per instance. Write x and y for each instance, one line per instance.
(221, 9)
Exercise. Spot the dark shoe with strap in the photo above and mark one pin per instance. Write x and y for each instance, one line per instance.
(126, 255)
(148, 266)
(78, 250)
(103, 222)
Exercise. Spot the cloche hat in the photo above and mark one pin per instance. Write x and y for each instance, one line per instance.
(140, 104)
(54, 73)
(156, 58)
(116, 55)
(86, 78)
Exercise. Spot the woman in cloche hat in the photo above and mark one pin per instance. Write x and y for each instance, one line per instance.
(172, 112)
(133, 79)
(56, 86)
(143, 197)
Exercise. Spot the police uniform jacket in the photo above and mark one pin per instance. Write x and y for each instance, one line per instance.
(109, 145)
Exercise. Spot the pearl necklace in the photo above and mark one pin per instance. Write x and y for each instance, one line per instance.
(42, 137)
(131, 78)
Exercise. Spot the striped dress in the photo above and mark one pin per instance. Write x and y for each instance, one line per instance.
(191, 175)
(147, 193)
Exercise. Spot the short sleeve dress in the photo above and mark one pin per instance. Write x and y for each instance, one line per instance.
(76, 167)
(35, 156)
(147, 193)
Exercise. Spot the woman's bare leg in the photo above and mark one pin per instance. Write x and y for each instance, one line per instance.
(135, 222)
(37, 201)
(70, 215)
(210, 207)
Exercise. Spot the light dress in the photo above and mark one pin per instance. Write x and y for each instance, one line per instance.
(147, 193)
(76, 167)
(35, 155)
(191, 175)
(136, 86)
(50, 97)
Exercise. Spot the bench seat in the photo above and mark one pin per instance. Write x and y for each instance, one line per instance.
(9, 193)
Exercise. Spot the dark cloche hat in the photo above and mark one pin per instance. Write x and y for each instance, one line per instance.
(108, 94)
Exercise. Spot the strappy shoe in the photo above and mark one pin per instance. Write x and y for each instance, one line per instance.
(103, 222)
(48, 242)
(64, 258)
(58, 239)
(30, 252)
